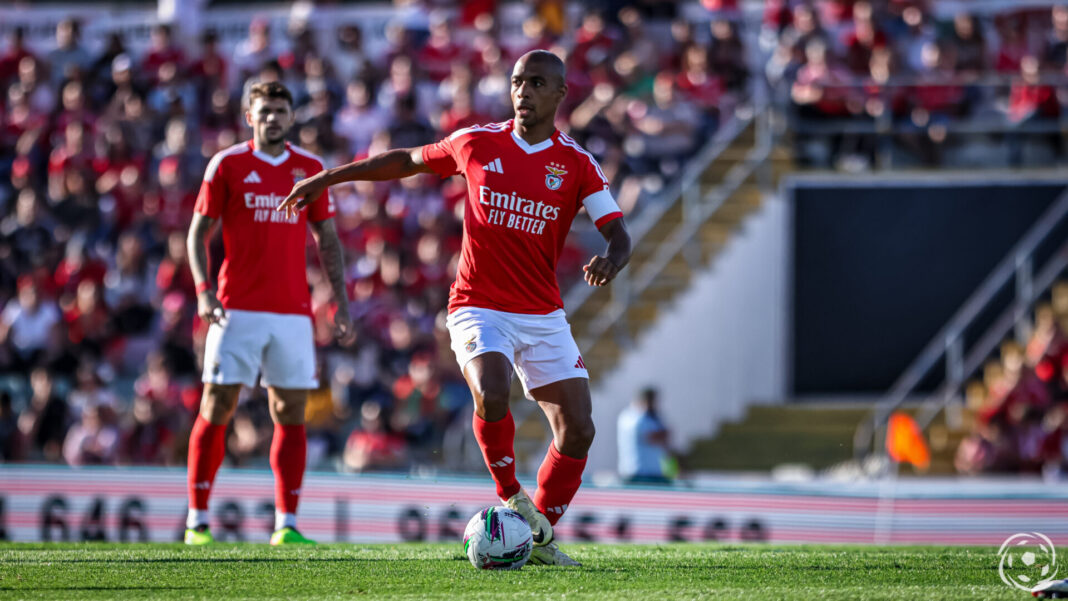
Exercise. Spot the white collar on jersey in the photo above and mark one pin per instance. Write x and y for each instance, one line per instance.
(532, 148)
(270, 160)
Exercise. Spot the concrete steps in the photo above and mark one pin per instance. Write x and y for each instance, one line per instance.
(602, 352)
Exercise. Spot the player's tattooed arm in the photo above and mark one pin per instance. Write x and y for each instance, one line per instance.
(332, 256)
(392, 164)
(208, 306)
(603, 269)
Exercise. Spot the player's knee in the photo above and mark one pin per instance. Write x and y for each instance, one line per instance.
(491, 402)
(288, 411)
(219, 402)
(577, 437)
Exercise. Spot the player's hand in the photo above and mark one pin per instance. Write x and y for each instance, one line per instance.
(209, 308)
(599, 271)
(304, 192)
(344, 330)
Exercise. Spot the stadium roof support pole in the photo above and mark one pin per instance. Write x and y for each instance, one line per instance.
(1017, 264)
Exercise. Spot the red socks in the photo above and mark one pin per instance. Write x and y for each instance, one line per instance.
(558, 480)
(207, 447)
(495, 439)
(289, 456)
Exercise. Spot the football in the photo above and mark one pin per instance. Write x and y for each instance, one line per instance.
(498, 538)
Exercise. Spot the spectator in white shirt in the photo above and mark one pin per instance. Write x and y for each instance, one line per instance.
(642, 441)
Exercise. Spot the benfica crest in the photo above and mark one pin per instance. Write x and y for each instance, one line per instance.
(555, 178)
(298, 174)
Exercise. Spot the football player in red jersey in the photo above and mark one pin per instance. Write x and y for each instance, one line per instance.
(260, 316)
(526, 182)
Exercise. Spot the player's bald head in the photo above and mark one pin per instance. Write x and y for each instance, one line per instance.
(544, 61)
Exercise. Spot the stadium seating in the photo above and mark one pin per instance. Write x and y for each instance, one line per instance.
(904, 84)
(101, 154)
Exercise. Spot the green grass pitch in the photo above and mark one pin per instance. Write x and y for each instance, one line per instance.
(440, 571)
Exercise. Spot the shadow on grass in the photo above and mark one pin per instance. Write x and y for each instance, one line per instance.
(236, 560)
(97, 588)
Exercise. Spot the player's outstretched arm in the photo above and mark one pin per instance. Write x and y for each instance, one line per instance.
(392, 164)
(603, 269)
(208, 306)
(332, 257)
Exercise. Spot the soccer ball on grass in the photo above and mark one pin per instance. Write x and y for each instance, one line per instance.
(498, 538)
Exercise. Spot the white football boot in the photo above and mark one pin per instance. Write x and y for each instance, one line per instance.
(540, 528)
(551, 555)
(1051, 590)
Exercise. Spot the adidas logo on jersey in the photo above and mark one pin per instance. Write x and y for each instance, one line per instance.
(580, 364)
(494, 167)
(503, 462)
(253, 178)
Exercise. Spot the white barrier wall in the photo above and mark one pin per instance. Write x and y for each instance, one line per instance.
(148, 504)
(719, 348)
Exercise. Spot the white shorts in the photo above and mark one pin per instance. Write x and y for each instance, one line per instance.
(247, 343)
(540, 347)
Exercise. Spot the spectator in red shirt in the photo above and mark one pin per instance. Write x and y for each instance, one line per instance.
(1029, 98)
(821, 87)
(1014, 44)
(373, 446)
(593, 42)
(864, 39)
(12, 55)
(439, 52)
(88, 321)
(209, 72)
(1031, 101)
(77, 267)
(149, 438)
(460, 113)
(173, 274)
(935, 92)
(697, 83)
(169, 205)
(162, 50)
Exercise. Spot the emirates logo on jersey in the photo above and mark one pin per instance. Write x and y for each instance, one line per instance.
(298, 174)
(555, 178)
(515, 212)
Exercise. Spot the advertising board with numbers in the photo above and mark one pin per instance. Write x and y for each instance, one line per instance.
(149, 504)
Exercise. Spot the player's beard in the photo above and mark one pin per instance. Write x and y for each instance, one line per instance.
(276, 138)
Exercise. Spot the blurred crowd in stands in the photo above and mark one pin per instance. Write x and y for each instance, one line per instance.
(939, 89)
(1018, 412)
(101, 156)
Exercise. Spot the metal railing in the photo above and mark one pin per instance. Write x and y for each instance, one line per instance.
(662, 202)
(949, 344)
(696, 210)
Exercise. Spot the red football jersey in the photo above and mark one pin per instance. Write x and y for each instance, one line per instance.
(521, 200)
(265, 264)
